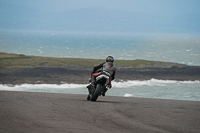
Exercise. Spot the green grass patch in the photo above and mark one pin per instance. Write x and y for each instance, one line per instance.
(18, 60)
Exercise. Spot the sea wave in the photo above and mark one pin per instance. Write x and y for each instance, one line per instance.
(152, 82)
(115, 84)
(41, 87)
(154, 88)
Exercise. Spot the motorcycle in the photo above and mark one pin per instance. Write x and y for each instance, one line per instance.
(100, 87)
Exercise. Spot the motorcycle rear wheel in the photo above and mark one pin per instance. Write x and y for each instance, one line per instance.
(88, 97)
(97, 92)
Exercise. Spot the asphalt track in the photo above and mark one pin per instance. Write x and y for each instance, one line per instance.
(28, 112)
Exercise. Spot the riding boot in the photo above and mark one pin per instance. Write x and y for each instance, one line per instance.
(104, 92)
(92, 84)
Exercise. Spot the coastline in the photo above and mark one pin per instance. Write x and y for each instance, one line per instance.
(50, 75)
(20, 69)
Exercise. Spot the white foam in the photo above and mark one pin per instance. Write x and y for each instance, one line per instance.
(152, 82)
(26, 87)
(128, 95)
(121, 84)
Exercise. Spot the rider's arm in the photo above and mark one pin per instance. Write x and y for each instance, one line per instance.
(113, 75)
(97, 67)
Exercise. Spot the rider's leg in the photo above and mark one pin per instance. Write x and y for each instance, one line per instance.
(93, 80)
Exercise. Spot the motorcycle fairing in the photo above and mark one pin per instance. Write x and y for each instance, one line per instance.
(103, 76)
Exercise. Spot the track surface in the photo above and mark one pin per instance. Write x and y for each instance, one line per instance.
(28, 112)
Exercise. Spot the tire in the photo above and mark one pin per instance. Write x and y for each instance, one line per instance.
(97, 92)
(88, 97)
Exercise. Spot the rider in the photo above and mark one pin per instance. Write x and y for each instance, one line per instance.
(106, 68)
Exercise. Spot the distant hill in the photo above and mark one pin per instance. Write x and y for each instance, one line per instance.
(96, 19)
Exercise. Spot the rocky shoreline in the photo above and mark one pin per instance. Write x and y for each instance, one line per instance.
(80, 74)
(20, 69)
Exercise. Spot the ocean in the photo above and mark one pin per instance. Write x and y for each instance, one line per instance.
(184, 49)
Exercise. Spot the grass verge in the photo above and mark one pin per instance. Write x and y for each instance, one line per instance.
(19, 60)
